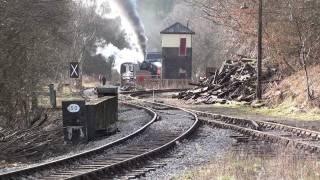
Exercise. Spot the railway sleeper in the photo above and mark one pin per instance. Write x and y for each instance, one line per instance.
(149, 169)
(88, 170)
(260, 123)
(264, 125)
(105, 162)
(269, 137)
(128, 154)
(93, 166)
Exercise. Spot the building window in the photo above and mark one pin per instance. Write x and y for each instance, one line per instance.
(183, 47)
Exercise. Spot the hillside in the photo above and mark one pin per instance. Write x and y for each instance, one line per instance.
(292, 90)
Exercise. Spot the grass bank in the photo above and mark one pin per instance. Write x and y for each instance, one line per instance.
(283, 111)
(242, 166)
(286, 110)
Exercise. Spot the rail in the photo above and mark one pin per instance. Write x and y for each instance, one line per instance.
(97, 151)
(48, 165)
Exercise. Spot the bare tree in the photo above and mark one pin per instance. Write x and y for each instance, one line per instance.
(306, 23)
(28, 29)
(38, 39)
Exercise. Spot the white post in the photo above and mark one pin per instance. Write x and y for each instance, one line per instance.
(153, 93)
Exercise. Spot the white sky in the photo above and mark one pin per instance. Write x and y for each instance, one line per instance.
(134, 54)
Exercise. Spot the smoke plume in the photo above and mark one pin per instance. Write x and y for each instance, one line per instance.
(129, 8)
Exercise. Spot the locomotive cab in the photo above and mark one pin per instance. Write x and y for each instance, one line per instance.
(128, 73)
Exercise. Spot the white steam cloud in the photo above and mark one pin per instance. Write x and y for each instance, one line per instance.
(136, 52)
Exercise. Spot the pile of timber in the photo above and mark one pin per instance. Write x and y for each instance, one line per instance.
(234, 81)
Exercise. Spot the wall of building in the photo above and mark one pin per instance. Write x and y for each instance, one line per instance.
(173, 40)
(172, 63)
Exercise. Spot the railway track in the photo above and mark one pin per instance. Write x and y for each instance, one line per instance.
(119, 156)
(132, 156)
(285, 135)
(300, 138)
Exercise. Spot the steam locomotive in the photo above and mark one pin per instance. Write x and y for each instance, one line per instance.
(129, 72)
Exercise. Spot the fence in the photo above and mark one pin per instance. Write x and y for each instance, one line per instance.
(155, 82)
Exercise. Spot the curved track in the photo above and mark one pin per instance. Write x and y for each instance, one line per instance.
(299, 138)
(107, 160)
(152, 139)
(49, 165)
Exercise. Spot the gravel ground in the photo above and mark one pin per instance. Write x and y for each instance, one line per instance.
(176, 124)
(175, 119)
(209, 145)
(130, 120)
(206, 145)
(172, 121)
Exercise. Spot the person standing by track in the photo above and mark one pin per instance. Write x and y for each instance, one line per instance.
(104, 80)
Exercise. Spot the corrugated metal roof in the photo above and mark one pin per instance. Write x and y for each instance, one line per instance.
(177, 28)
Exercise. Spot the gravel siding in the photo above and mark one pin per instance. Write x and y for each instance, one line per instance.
(130, 120)
(206, 145)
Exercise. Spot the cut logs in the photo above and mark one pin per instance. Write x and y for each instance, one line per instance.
(234, 81)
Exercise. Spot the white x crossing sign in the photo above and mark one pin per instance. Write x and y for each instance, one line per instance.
(74, 70)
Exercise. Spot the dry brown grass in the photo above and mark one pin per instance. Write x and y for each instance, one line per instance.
(293, 88)
(90, 82)
(244, 166)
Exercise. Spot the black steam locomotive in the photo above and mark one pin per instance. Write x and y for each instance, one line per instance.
(128, 71)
